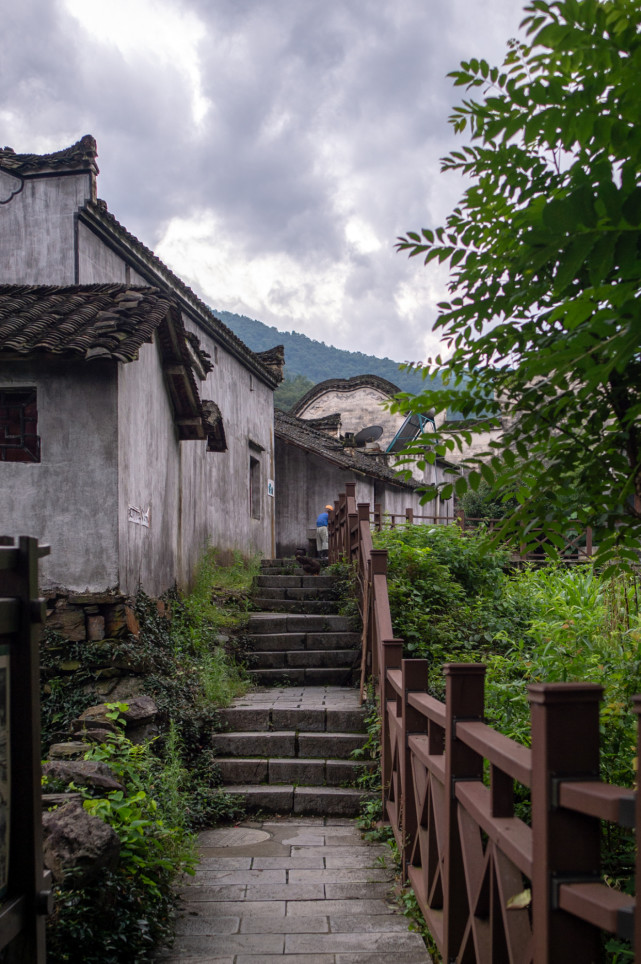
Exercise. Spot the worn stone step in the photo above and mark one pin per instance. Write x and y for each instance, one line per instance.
(286, 743)
(303, 606)
(299, 771)
(312, 676)
(309, 801)
(304, 658)
(294, 582)
(261, 623)
(254, 716)
(272, 642)
(295, 593)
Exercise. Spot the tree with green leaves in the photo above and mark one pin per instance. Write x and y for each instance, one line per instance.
(290, 390)
(542, 326)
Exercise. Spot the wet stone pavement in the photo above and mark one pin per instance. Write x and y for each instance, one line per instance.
(299, 890)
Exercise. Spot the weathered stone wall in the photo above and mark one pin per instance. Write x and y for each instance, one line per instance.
(68, 499)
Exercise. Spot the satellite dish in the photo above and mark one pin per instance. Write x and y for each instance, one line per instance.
(369, 434)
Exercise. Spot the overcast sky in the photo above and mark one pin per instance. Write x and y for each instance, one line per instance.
(269, 151)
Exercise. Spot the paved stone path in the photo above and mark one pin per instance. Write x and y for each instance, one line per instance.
(305, 890)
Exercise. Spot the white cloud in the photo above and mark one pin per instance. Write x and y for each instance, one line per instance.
(272, 286)
(159, 32)
(269, 150)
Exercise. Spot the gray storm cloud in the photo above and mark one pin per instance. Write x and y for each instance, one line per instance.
(269, 150)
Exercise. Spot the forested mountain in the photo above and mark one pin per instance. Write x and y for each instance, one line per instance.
(314, 359)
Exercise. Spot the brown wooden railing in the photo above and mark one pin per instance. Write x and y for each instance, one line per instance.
(491, 886)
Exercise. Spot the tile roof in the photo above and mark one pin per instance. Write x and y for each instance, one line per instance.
(108, 321)
(80, 156)
(346, 385)
(296, 431)
(98, 218)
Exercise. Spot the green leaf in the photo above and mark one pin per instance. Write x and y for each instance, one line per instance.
(631, 207)
(572, 260)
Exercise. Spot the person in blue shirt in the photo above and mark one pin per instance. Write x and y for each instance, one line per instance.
(322, 541)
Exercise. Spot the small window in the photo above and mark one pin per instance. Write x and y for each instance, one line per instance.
(254, 487)
(19, 439)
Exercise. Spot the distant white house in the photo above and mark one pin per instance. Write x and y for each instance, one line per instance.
(312, 466)
(135, 427)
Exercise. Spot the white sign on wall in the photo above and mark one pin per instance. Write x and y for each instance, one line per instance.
(270, 487)
(140, 517)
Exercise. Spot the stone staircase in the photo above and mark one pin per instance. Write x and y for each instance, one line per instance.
(289, 744)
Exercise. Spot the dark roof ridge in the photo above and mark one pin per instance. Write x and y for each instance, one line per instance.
(346, 385)
(98, 210)
(80, 156)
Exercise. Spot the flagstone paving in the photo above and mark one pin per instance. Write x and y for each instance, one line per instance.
(299, 890)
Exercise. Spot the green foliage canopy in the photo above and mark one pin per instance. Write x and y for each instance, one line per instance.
(543, 321)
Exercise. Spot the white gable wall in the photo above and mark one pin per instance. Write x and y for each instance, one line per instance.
(359, 408)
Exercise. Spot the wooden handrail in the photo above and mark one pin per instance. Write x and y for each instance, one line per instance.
(461, 840)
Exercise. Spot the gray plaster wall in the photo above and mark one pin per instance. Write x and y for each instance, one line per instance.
(98, 263)
(69, 499)
(37, 230)
(149, 479)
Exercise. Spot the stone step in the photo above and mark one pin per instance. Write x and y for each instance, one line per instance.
(295, 582)
(303, 606)
(251, 715)
(275, 594)
(299, 641)
(312, 676)
(309, 801)
(286, 743)
(304, 659)
(299, 771)
(266, 622)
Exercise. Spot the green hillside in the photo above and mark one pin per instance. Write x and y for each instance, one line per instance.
(315, 360)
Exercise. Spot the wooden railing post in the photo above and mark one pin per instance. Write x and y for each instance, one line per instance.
(409, 516)
(362, 510)
(588, 542)
(636, 702)
(392, 655)
(464, 700)
(415, 679)
(26, 881)
(460, 518)
(378, 517)
(566, 845)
